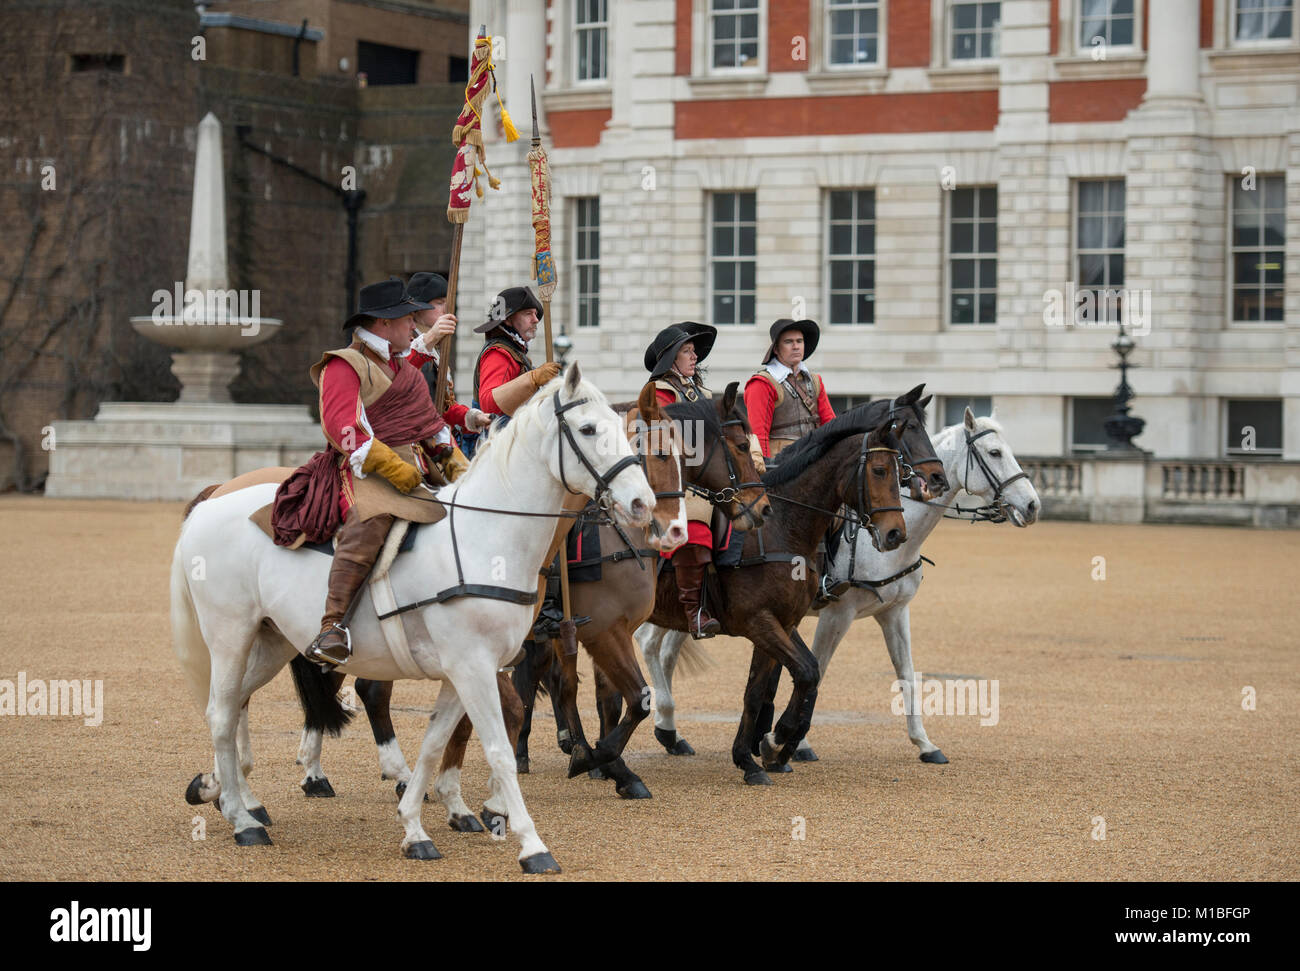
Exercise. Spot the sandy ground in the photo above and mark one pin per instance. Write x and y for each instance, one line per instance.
(1119, 698)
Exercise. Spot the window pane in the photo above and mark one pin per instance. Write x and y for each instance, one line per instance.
(963, 237)
(842, 275)
(867, 275)
(841, 239)
(963, 274)
(1246, 268)
(1116, 277)
(723, 240)
(988, 312)
(963, 308)
(1262, 416)
(841, 205)
(841, 308)
(963, 203)
(746, 315)
(1092, 196)
(964, 15)
(866, 239)
(747, 243)
(1121, 32)
(746, 206)
(724, 310)
(724, 276)
(989, 274)
(1115, 232)
(747, 275)
(1092, 269)
(866, 305)
(724, 206)
(988, 237)
(1274, 192)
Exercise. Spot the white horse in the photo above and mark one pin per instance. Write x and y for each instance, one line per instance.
(976, 458)
(243, 607)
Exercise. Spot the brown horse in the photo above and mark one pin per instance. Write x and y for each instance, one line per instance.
(852, 460)
(616, 605)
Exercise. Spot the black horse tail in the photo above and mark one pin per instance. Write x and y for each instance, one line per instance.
(318, 694)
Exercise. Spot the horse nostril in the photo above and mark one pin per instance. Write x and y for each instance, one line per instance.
(638, 507)
(1033, 506)
(893, 538)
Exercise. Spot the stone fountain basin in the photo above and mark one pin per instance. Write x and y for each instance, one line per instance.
(204, 335)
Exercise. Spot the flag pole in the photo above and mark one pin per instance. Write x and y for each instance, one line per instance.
(547, 280)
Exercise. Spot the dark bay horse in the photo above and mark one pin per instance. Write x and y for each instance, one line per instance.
(852, 460)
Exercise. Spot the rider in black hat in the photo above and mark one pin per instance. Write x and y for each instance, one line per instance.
(504, 377)
(784, 399)
(673, 359)
(435, 324)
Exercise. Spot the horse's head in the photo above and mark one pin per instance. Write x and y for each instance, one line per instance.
(872, 488)
(718, 463)
(990, 471)
(659, 443)
(593, 456)
(929, 480)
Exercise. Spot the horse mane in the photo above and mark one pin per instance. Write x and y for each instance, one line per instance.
(797, 458)
(701, 409)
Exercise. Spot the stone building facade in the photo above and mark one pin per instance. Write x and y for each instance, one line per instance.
(927, 179)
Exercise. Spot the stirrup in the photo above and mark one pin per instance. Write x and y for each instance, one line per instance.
(329, 662)
(697, 630)
(829, 590)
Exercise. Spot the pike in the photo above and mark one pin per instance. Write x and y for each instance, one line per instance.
(468, 138)
(547, 280)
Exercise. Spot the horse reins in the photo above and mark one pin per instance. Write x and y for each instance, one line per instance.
(732, 491)
(993, 512)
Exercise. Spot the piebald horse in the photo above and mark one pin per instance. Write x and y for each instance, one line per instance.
(233, 630)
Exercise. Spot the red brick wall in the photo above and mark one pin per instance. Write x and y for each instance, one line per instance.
(577, 129)
(786, 20)
(909, 33)
(1054, 25)
(839, 115)
(1207, 23)
(683, 64)
(1094, 100)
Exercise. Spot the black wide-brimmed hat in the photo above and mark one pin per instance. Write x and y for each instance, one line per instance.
(427, 287)
(510, 300)
(811, 333)
(385, 301)
(661, 353)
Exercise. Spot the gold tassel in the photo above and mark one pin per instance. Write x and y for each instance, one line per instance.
(512, 133)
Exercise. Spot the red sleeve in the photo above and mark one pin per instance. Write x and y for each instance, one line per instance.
(495, 369)
(418, 360)
(760, 402)
(665, 397)
(824, 410)
(340, 406)
(455, 415)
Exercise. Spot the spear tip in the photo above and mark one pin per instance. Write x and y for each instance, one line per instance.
(532, 90)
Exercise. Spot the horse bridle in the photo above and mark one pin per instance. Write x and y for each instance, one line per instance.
(975, 458)
(729, 493)
(603, 482)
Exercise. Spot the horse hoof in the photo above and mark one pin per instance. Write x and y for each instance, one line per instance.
(770, 755)
(540, 863)
(495, 822)
(580, 761)
(759, 778)
(934, 758)
(521, 765)
(401, 791)
(598, 773)
(636, 789)
(779, 768)
(423, 850)
(673, 744)
(261, 815)
(193, 792)
(465, 823)
(805, 755)
(318, 788)
(253, 836)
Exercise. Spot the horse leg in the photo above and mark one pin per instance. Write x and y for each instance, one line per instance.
(268, 656)
(314, 783)
(230, 657)
(446, 715)
(565, 697)
(833, 622)
(609, 701)
(447, 786)
(760, 673)
(660, 648)
(376, 697)
(473, 678)
(778, 746)
(766, 715)
(525, 679)
(896, 624)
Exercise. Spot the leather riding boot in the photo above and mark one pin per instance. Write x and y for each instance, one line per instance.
(358, 546)
(689, 563)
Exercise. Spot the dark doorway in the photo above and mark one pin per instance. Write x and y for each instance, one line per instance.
(382, 64)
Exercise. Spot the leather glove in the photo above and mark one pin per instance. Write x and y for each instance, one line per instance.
(454, 465)
(756, 454)
(544, 373)
(402, 474)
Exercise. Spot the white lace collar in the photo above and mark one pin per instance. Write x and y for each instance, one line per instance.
(378, 344)
(780, 371)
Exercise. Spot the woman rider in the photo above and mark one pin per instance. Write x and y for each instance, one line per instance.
(673, 359)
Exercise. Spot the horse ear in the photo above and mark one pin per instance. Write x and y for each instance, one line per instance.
(969, 419)
(572, 378)
(648, 403)
(924, 402)
(912, 395)
(729, 397)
